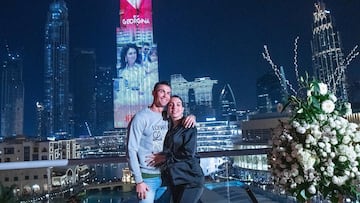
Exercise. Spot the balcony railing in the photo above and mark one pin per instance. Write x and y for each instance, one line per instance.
(222, 187)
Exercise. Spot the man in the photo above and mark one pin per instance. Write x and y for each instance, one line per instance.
(145, 49)
(147, 132)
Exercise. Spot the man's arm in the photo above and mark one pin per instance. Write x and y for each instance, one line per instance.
(134, 136)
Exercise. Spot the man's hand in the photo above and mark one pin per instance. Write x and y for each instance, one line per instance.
(141, 189)
(189, 121)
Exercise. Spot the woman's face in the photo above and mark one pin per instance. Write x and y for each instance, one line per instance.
(175, 108)
(130, 57)
(153, 57)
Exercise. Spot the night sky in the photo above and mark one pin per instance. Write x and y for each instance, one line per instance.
(222, 39)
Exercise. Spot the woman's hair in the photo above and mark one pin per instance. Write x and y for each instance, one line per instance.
(177, 96)
(124, 51)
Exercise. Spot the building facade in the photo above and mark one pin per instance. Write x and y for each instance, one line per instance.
(82, 85)
(104, 99)
(57, 102)
(327, 56)
(11, 95)
(270, 93)
(32, 181)
(197, 95)
(228, 107)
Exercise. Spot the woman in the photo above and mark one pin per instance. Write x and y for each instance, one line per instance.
(129, 56)
(179, 161)
(131, 77)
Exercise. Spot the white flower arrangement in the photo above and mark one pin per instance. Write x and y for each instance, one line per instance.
(318, 151)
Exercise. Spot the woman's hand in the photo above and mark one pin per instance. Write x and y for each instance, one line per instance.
(155, 159)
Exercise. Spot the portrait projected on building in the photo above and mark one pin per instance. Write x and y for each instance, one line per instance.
(137, 61)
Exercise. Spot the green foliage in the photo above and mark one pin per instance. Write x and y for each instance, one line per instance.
(7, 194)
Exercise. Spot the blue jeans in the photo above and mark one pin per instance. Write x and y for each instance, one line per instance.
(156, 193)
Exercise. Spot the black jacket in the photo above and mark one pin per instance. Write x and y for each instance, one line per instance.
(182, 166)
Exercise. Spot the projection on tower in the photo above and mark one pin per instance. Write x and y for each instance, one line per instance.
(137, 64)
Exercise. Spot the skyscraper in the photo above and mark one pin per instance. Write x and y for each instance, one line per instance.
(327, 56)
(104, 99)
(270, 93)
(197, 95)
(227, 105)
(82, 82)
(12, 95)
(57, 102)
(137, 64)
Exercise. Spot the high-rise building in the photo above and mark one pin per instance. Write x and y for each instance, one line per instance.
(197, 95)
(327, 56)
(104, 99)
(82, 85)
(12, 95)
(228, 108)
(270, 93)
(57, 101)
(41, 122)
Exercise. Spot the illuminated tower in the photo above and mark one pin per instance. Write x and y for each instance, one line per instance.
(227, 104)
(12, 96)
(57, 99)
(197, 95)
(41, 122)
(136, 76)
(327, 56)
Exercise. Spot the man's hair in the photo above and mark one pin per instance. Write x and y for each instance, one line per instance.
(161, 83)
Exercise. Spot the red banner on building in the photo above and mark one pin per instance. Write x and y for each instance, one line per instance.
(135, 15)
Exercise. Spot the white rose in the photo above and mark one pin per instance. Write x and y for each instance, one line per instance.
(332, 154)
(321, 144)
(357, 137)
(328, 106)
(333, 97)
(295, 124)
(300, 130)
(342, 158)
(312, 189)
(346, 139)
(308, 93)
(321, 117)
(348, 109)
(299, 179)
(323, 88)
(330, 170)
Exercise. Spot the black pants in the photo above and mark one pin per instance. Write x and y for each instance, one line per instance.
(184, 194)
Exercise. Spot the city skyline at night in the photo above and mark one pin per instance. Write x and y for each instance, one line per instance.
(221, 40)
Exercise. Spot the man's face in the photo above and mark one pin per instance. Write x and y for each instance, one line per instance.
(145, 49)
(162, 95)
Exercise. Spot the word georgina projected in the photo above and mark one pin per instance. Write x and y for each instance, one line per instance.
(136, 20)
